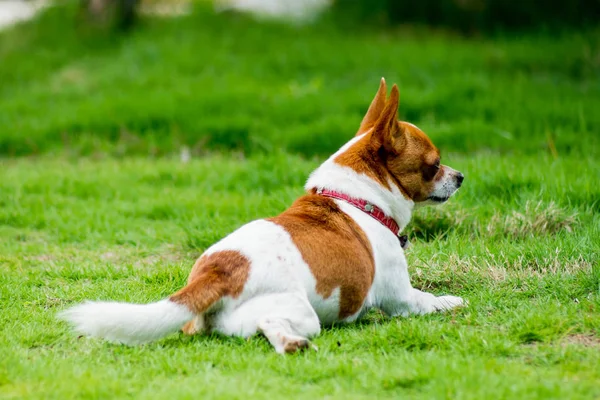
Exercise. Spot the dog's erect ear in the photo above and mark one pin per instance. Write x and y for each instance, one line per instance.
(375, 109)
(387, 132)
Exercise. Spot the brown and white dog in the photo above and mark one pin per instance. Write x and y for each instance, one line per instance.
(330, 257)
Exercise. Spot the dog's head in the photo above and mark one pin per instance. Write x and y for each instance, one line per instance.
(399, 153)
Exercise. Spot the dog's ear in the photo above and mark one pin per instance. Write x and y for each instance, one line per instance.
(375, 109)
(387, 132)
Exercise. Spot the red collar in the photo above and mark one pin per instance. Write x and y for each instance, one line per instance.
(366, 207)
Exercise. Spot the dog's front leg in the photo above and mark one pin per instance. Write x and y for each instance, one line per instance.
(418, 302)
(400, 298)
(425, 303)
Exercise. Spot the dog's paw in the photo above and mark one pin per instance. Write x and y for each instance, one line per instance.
(292, 345)
(444, 303)
(194, 326)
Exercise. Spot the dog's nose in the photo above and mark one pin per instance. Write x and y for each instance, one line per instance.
(459, 179)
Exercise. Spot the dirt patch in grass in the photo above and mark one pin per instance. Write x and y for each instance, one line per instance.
(580, 339)
(167, 255)
(456, 272)
(536, 219)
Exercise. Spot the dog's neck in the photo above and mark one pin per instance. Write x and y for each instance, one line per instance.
(346, 180)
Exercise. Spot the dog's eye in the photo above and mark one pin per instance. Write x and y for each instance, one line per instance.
(431, 171)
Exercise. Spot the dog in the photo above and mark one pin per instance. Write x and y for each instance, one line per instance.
(329, 258)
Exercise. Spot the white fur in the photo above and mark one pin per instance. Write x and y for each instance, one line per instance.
(279, 298)
(276, 268)
(127, 323)
(447, 185)
(333, 176)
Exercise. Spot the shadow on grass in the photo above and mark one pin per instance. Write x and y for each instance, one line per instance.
(427, 229)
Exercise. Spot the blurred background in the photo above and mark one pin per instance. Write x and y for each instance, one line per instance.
(155, 77)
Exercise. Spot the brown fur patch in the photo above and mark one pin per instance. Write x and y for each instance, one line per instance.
(334, 247)
(223, 273)
(410, 164)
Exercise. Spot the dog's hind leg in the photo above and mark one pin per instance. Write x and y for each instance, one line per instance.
(281, 335)
(286, 319)
(194, 326)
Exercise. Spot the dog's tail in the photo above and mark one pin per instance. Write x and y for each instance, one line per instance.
(125, 322)
(133, 324)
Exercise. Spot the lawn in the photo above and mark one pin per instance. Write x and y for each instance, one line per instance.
(96, 202)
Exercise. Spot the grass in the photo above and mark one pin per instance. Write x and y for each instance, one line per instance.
(227, 83)
(98, 204)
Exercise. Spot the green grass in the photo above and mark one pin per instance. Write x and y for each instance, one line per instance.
(99, 206)
(226, 82)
